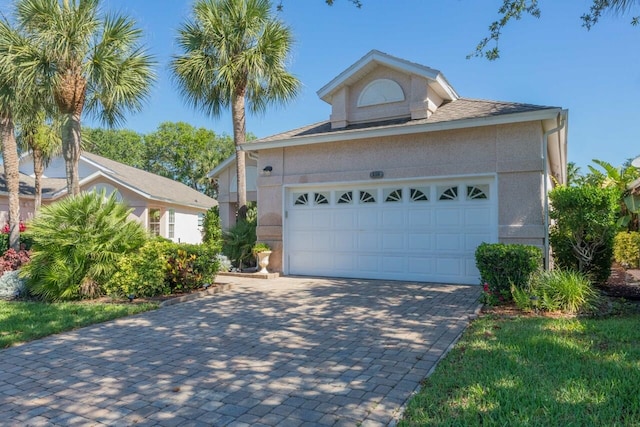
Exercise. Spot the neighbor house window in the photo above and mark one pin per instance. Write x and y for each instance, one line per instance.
(172, 223)
(154, 222)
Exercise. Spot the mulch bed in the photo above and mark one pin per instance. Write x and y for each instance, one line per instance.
(623, 284)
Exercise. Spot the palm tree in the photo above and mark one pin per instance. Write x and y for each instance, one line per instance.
(620, 179)
(42, 139)
(234, 52)
(11, 92)
(88, 61)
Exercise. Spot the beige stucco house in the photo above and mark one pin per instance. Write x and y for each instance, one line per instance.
(406, 178)
(164, 207)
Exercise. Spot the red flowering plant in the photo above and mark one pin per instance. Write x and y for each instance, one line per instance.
(490, 297)
(7, 230)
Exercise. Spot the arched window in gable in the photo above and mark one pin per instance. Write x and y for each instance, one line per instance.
(380, 91)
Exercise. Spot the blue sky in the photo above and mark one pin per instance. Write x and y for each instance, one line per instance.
(549, 61)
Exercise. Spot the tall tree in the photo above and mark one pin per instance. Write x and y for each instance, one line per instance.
(12, 91)
(620, 179)
(122, 145)
(234, 52)
(42, 139)
(91, 61)
(184, 153)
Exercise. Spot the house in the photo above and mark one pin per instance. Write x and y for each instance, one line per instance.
(406, 178)
(226, 178)
(165, 207)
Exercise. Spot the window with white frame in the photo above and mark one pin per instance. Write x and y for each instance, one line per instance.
(172, 223)
(154, 222)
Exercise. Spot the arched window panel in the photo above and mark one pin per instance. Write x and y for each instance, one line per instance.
(477, 192)
(321, 198)
(448, 193)
(419, 194)
(380, 91)
(346, 198)
(301, 199)
(392, 195)
(366, 197)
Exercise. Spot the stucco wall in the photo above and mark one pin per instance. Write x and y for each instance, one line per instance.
(512, 151)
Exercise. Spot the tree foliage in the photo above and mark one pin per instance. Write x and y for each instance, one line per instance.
(584, 228)
(178, 151)
(87, 60)
(234, 53)
(516, 9)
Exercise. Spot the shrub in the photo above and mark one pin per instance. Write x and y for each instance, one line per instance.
(11, 286)
(583, 232)
(260, 247)
(211, 229)
(12, 260)
(564, 290)
(626, 249)
(140, 273)
(77, 243)
(238, 242)
(502, 265)
(189, 266)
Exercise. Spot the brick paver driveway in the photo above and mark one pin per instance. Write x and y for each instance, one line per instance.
(290, 351)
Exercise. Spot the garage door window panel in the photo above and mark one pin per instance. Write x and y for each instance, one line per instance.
(448, 193)
(392, 195)
(346, 198)
(300, 199)
(321, 198)
(366, 197)
(419, 194)
(477, 192)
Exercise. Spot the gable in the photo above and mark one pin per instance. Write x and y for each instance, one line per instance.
(380, 87)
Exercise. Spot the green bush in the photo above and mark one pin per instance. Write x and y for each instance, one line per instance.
(239, 241)
(190, 266)
(502, 265)
(77, 243)
(211, 229)
(564, 290)
(25, 242)
(141, 273)
(626, 249)
(584, 228)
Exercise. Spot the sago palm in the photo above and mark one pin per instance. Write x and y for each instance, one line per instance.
(90, 60)
(76, 245)
(234, 52)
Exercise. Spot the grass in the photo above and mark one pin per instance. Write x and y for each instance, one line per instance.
(534, 371)
(26, 321)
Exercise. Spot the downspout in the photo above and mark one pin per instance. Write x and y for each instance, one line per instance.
(561, 119)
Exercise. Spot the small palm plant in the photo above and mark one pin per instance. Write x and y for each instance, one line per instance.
(76, 245)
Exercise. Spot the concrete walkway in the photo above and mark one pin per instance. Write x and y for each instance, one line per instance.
(283, 352)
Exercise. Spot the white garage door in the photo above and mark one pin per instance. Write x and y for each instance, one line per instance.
(421, 230)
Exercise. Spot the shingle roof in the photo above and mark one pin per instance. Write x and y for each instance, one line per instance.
(155, 186)
(27, 185)
(151, 185)
(460, 109)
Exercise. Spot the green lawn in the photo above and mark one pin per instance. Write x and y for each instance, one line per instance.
(25, 321)
(528, 371)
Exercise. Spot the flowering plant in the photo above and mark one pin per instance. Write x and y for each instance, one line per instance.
(6, 229)
(492, 297)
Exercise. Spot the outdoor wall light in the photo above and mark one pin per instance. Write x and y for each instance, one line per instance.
(267, 170)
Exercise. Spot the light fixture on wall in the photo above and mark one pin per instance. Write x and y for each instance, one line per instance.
(267, 170)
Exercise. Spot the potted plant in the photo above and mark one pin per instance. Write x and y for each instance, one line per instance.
(262, 251)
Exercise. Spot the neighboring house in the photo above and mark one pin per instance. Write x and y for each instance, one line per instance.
(165, 207)
(406, 178)
(226, 177)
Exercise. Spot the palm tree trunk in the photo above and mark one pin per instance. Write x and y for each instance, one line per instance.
(71, 151)
(38, 171)
(239, 134)
(12, 177)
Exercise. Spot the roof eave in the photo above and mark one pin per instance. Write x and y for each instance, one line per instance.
(404, 129)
